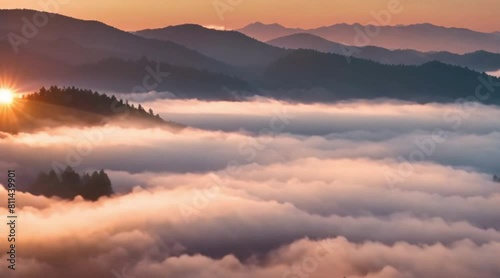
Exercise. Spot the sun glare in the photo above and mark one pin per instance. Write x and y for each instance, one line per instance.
(6, 96)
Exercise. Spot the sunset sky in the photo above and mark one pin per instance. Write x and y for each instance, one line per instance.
(132, 15)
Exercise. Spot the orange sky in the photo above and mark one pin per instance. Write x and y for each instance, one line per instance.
(131, 15)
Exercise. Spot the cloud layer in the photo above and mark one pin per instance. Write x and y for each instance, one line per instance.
(355, 189)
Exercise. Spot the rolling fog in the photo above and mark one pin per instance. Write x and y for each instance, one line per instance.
(265, 188)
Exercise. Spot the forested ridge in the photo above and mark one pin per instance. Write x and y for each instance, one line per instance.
(90, 101)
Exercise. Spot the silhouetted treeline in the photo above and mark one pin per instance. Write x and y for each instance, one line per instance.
(307, 75)
(496, 179)
(70, 184)
(90, 101)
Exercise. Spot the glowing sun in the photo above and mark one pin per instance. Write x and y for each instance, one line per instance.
(6, 96)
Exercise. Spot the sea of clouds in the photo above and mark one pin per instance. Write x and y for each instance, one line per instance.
(265, 188)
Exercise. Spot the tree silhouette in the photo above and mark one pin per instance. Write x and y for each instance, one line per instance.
(71, 184)
(89, 101)
(141, 109)
(99, 185)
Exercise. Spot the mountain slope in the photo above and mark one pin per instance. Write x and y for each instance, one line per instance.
(32, 71)
(230, 47)
(184, 82)
(265, 32)
(307, 41)
(479, 60)
(303, 75)
(100, 37)
(74, 107)
(307, 75)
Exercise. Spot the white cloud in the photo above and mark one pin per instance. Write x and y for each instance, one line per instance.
(181, 211)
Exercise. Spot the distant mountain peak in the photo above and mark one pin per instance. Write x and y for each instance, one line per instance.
(424, 37)
(5, 13)
(306, 38)
(258, 23)
(104, 40)
(231, 47)
(189, 26)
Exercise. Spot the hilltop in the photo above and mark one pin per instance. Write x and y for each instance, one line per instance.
(71, 106)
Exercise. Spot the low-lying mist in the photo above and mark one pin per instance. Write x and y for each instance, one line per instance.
(265, 188)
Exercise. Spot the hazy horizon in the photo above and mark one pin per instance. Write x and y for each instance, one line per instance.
(345, 152)
(232, 15)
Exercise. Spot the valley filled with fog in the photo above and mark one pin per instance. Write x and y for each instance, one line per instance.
(268, 188)
(249, 139)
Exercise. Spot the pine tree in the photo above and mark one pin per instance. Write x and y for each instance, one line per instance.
(105, 183)
(70, 177)
(140, 108)
(85, 180)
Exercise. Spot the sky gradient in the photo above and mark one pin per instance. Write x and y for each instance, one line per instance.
(133, 15)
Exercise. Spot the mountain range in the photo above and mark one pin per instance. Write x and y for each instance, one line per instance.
(421, 37)
(230, 47)
(478, 60)
(246, 53)
(74, 40)
(307, 75)
(197, 62)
